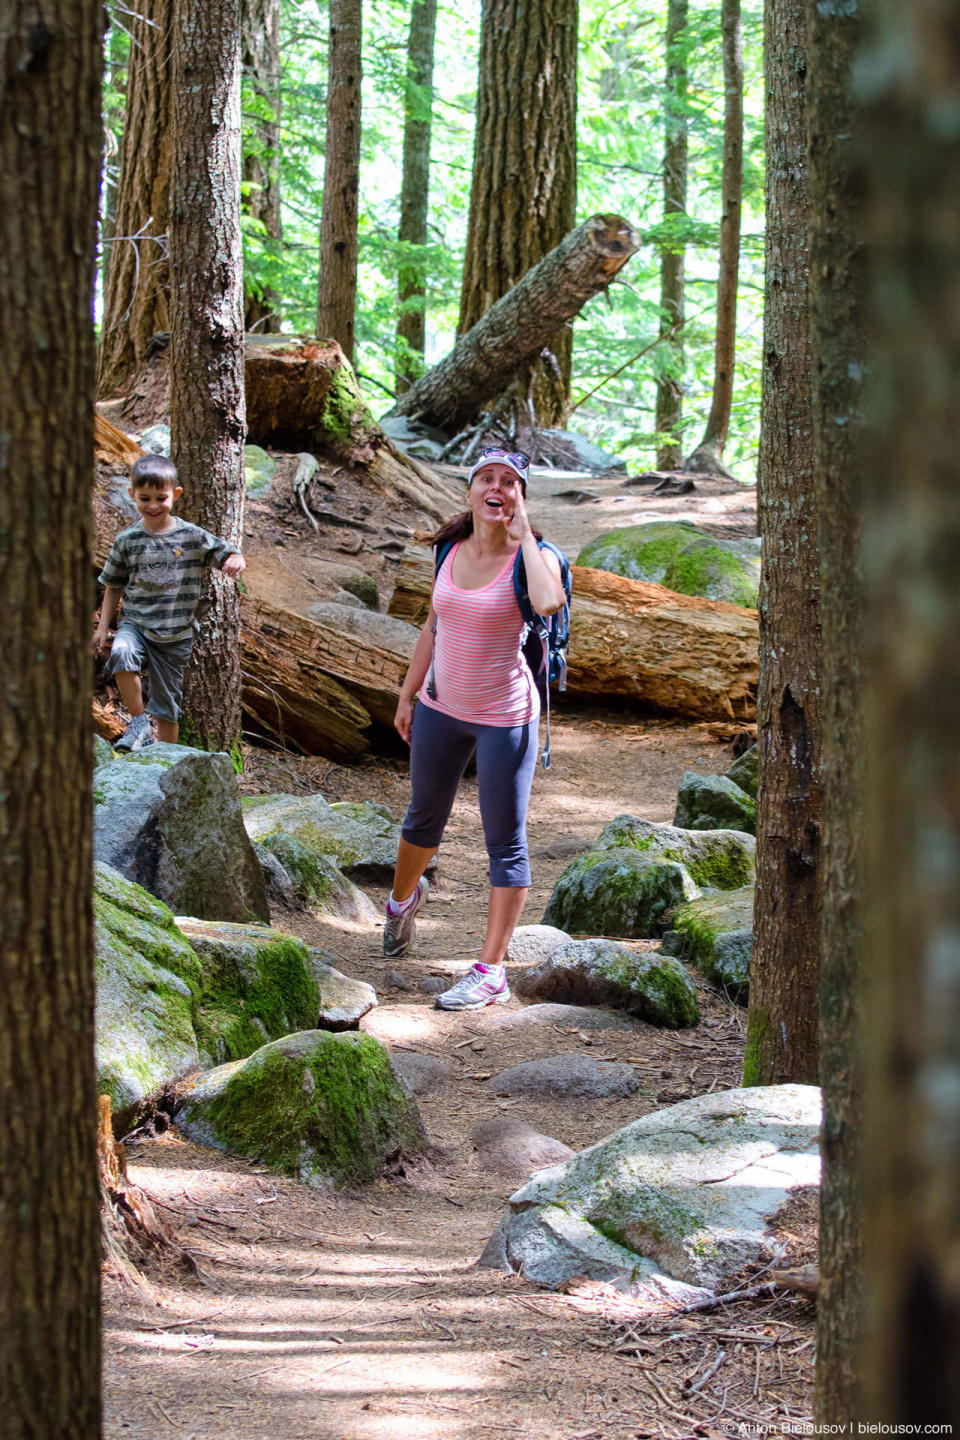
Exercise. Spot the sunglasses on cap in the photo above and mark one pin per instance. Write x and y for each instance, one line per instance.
(513, 457)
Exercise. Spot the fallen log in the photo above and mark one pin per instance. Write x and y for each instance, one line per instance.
(111, 445)
(521, 323)
(302, 395)
(632, 641)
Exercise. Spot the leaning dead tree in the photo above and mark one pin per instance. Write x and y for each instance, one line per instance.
(516, 329)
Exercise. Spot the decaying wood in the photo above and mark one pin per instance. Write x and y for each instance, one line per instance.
(106, 722)
(113, 446)
(805, 1281)
(303, 395)
(133, 1233)
(681, 653)
(521, 323)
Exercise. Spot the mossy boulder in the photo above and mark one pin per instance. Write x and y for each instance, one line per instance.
(745, 771)
(259, 469)
(102, 752)
(714, 802)
(599, 972)
(716, 931)
(317, 1106)
(679, 556)
(257, 985)
(360, 837)
(169, 818)
(620, 892)
(149, 982)
(716, 859)
(364, 588)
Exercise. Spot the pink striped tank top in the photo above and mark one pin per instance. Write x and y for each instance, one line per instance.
(479, 671)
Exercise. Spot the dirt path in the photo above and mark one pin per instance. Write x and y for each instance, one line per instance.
(358, 1315)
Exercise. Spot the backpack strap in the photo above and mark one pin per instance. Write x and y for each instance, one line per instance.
(440, 554)
(533, 621)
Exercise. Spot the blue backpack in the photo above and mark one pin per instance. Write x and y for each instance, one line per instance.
(545, 638)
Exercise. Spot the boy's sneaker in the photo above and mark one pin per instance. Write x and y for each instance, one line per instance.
(138, 734)
(400, 929)
(477, 989)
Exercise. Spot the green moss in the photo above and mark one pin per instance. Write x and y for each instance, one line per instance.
(160, 945)
(308, 870)
(705, 565)
(128, 895)
(334, 1108)
(721, 861)
(640, 552)
(715, 931)
(617, 892)
(723, 869)
(344, 409)
(758, 1034)
(365, 589)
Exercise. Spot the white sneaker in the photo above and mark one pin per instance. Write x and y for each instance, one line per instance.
(138, 734)
(399, 930)
(477, 989)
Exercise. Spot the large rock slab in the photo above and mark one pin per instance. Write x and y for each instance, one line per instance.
(618, 892)
(169, 818)
(683, 1194)
(563, 1017)
(682, 558)
(649, 984)
(148, 986)
(717, 932)
(418, 1072)
(529, 944)
(567, 1075)
(257, 985)
(512, 1147)
(320, 1107)
(714, 802)
(360, 837)
(716, 859)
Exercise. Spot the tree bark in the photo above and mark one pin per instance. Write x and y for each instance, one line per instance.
(782, 1032)
(670, 376)
(517, 327)
(635, 641)
(260, 20)
(136, 302)
(50, 74)
(708, 456)
(523, 197)
(341, 178)
(207, 418)
(911, 903)
(838, 346)
(414, 196)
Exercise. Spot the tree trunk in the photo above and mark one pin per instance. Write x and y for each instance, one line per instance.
(838, 346)
(260, 20)
(785, 968)
(418, 109)
(207, 419)
(912, 877)
(341, 178)
(670, 375)
(517, 327)
(136, 301)
(50, 70)
(635, 641)
(523, 198)
(708, 456)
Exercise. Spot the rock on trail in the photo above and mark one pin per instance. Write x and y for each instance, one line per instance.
(648, 984)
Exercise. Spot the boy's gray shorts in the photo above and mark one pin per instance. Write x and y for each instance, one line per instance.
(164, 664)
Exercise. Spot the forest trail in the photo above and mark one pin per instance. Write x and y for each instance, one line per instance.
(358, 1315)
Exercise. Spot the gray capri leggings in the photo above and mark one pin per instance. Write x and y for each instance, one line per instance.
(440, 747)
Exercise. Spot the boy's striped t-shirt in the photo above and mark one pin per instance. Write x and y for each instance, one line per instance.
(161, 574)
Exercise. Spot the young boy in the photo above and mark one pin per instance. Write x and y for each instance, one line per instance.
(155, 567)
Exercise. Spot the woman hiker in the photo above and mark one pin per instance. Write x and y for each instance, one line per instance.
(476, 693)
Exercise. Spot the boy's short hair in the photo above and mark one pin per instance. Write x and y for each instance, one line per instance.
(155, 470)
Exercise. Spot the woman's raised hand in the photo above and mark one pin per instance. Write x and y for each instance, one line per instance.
(518, 526)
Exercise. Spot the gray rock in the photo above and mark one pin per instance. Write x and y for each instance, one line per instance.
(567, 1075)
(590, 456)
(599, 972)
(364, 587)
(102, 752)
(714, 802)
(435, 984)
(119, 496)
(169, 818)
(679, 556)
(420, 1073)
(156, 440)
(257, 985)
(681, 1195)
(384, 631)
(316, 1106)
(395, 980)
(405, 432)
(259, 469)
(529, 944)
(148, 984)
(745, 771)
(512, 1147)
(564, 1017)
(344, 597)
(718, 859)
(280, 889)
(343, 1001)
(564, 847)
(618, 892)
(359, 837)
(716, 931)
